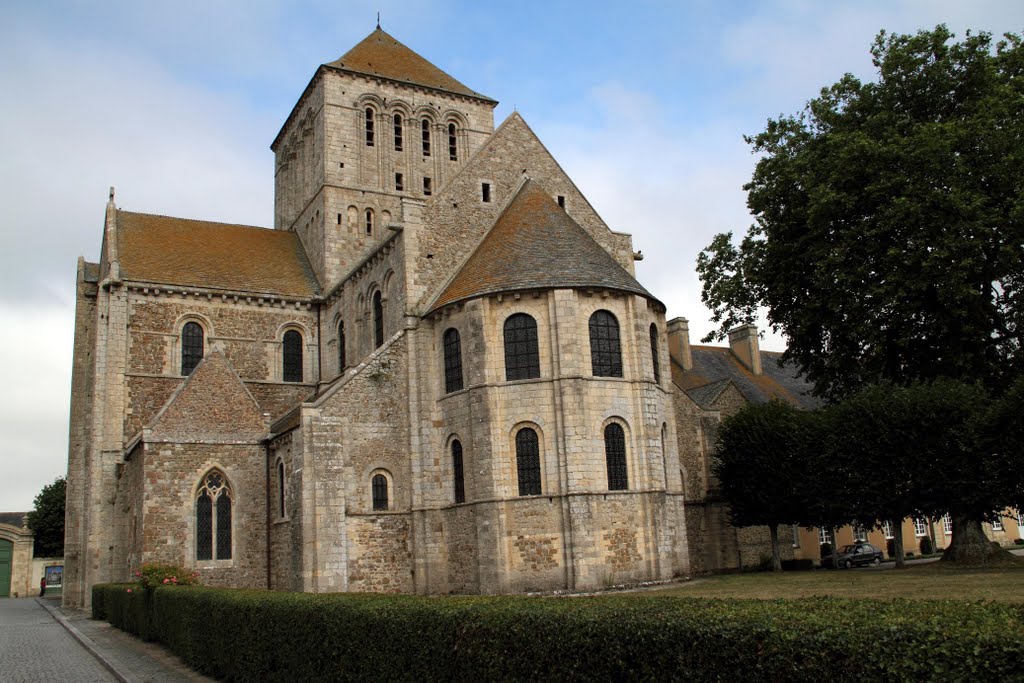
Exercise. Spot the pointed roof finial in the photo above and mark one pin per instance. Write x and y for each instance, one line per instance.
(378, 21)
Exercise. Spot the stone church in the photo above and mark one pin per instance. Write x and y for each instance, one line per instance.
(436, 374)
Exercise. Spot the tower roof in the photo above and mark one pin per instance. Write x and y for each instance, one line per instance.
(535, 244)
(379, 54)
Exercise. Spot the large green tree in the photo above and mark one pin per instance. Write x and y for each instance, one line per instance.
(758, 462)
(888, 241)
(47, 520)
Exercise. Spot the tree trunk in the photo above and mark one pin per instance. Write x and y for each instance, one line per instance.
(897, 544)
(969, 544)
(773, 529)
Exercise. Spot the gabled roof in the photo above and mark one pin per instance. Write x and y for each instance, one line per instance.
(715, 366)
(379, 54)
(535, 244)
(179, 251)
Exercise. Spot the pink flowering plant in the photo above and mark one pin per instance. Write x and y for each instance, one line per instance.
(155, 574)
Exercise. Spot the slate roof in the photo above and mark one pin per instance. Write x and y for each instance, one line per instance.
(535, 244)
(12, 518)
(379, 54)
(180, 251)
(714, 366)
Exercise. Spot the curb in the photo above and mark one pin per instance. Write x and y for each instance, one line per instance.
(85, 641)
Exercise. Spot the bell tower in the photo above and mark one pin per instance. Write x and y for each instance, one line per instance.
(375, 126)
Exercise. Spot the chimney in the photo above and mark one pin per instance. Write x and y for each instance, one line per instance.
(743, 342)
(679, 342)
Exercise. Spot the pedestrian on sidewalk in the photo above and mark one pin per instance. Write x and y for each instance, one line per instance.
(42, 586)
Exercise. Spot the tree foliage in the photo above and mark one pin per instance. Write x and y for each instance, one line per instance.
(889, 233)
(47, 520)
(758, 461)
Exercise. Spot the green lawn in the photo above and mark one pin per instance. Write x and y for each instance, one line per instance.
(934, 581)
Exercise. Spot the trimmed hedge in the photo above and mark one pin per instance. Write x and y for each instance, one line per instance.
(244, 635)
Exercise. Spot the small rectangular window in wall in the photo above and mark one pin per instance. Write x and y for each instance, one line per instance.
(561, 201)
(485, 192)
(399, 182)
(339, 219)
(427, 190)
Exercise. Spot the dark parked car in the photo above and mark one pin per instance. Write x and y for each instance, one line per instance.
(853, 555)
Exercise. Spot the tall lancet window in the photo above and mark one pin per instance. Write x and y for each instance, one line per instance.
(213, 518)
(191, 347)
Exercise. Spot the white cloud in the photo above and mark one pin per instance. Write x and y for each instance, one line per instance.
(34, 404)
(78, 119)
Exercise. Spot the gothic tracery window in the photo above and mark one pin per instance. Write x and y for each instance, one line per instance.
(191, 347)
(452, 361)
(522, 360)
(213, 518)
(605, 349)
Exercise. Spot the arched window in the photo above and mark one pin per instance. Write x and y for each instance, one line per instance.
(615, 457)
(379, 490)
(522, 361)
(654, 353)
(398, 132)
(528, 462)
(605, 352)
(341, 346)
(191, 347)
(453, 151)
(213, 518)
(425, 129)
(458, 472)
(369, 221)
(369, 127)
(280, 488)
(452, 361)
(292, 356)
(378, 320)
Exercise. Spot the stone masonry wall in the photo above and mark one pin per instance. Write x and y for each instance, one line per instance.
(173, 472)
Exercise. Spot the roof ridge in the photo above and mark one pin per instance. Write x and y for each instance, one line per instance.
(201, 220)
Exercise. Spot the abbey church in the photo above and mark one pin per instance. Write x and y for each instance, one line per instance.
(437, 373)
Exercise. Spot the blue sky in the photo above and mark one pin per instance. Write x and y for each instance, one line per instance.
(644, 104)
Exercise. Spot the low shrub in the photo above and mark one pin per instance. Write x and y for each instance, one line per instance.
(926, 546)
(154, 574)
(824, 550)
(908, 554)
(797, 565)
(1018, 541)
(248, 635)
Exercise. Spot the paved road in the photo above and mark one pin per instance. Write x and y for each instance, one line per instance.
(34, 647)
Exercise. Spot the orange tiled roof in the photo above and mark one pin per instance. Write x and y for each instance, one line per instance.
(381, 55)
(535, 244)
(185, 252)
